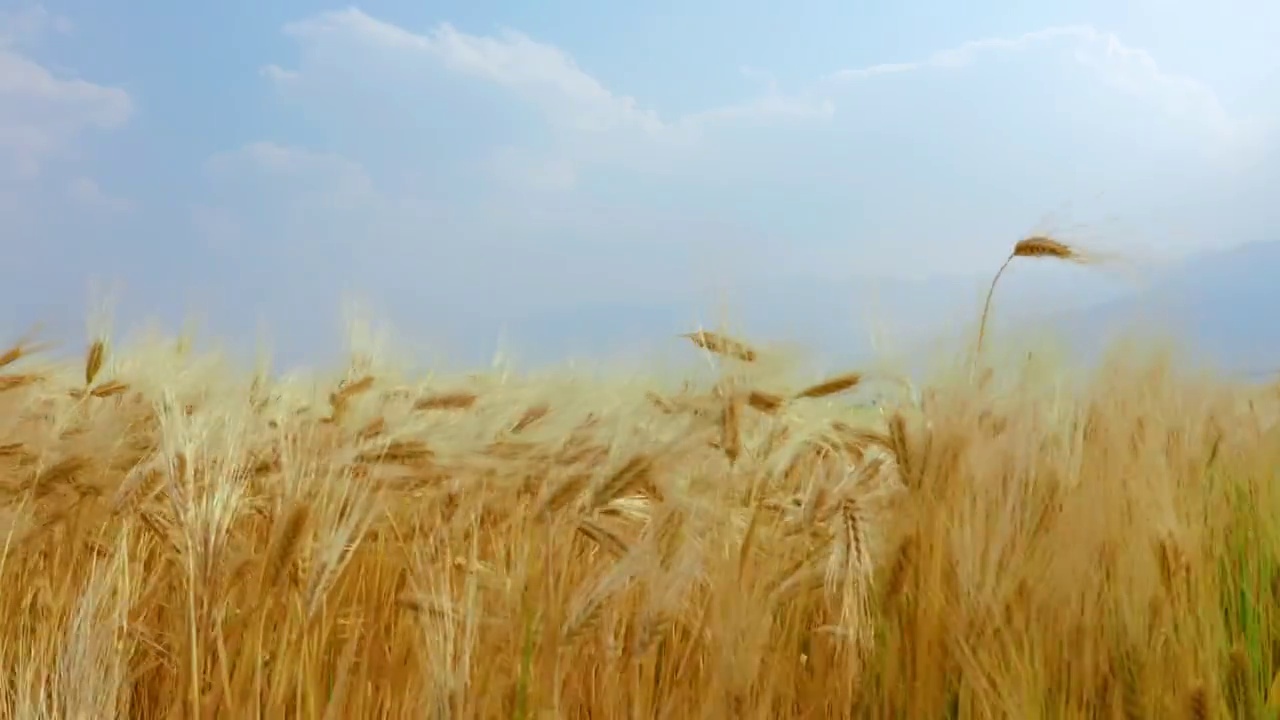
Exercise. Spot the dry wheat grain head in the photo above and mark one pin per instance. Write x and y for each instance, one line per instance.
(1035, 246)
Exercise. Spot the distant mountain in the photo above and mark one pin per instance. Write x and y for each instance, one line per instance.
(1220, 308)
(832, 321)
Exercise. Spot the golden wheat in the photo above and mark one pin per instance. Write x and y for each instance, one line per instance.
(93, 360)
(520, 548)
(831, 386)
(722, 345)
(1036, 246)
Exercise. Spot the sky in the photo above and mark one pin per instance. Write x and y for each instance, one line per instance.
(459, 165)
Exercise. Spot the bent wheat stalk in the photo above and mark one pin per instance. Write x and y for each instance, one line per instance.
(1036, 246)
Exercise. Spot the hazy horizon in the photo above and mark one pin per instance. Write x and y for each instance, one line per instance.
(588, 178)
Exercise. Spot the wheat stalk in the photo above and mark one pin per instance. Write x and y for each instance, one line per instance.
(447, 401)
(530, 416)
(17, 352)
(1198, 703)
(93, 360)
(763, 401)
(1243, 702)
(722, 345)
(730, 432)
(831, 386)
(13, 382)
(603, 537)
(285, 544)
(1036, 246)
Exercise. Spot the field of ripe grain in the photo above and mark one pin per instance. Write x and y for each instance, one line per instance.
(1012, 539)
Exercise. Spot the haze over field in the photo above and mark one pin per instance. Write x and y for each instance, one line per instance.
(589, 180)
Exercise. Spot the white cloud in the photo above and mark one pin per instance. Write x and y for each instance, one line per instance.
(772, 107)
(1130, 70)
(87, 193)
(41, 113)
(334, 181)
(597, 125)
(542, 73)
(446, 150)
(277, 74)
(594, 124)
(530, 171)
(30, 24)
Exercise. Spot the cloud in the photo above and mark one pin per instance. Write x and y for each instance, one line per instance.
(772, 107)
(529, 171)
(283, 208)
(30, 24)
(1131, 70)
(277, 74)
(543, 74)
(495, 172)
(591, 126)
(86, 193)
(41, 113)
(589, 123)
(327, 178)
(595, 125)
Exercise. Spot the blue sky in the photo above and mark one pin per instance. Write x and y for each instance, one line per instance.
(459, 165)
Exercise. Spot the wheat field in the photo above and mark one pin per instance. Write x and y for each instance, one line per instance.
(1011, 539)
